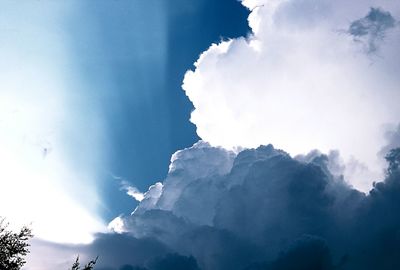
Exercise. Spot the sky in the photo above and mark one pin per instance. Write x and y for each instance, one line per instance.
(202, 134)
(91, 94)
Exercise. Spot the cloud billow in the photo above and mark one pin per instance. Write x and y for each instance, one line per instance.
(393, 140)
(298, 82)
(269, 211)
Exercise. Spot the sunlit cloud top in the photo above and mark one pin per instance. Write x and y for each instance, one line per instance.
(313, 75)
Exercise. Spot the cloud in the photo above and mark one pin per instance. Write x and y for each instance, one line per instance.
(132, 191)
(392, 137)
(174, 262)
(116, 225)
(272, 208)
(301, 84)
(372, 28)
(150, 197)
(258, 209)
(308, 252)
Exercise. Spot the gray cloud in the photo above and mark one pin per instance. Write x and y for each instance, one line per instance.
(393, 140)
(308, 252)
(262, 209)
(371, 29)
(257, 209)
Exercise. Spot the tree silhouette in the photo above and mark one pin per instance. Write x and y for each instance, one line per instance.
(89, 266)
(13, 246)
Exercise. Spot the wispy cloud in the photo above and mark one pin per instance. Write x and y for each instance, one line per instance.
(132, 191)
(371, 29)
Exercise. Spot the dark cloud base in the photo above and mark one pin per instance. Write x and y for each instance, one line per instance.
(267, 211)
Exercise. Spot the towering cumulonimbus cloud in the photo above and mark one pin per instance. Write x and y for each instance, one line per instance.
(312, 75)
(262, 209)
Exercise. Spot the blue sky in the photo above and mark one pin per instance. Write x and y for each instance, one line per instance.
(142, 50)
(95, 88)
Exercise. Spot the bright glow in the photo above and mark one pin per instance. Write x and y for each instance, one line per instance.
(34, 174)
(39, 182)
(117, 225)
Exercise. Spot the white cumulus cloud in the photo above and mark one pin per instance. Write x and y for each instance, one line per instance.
(301, 81)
